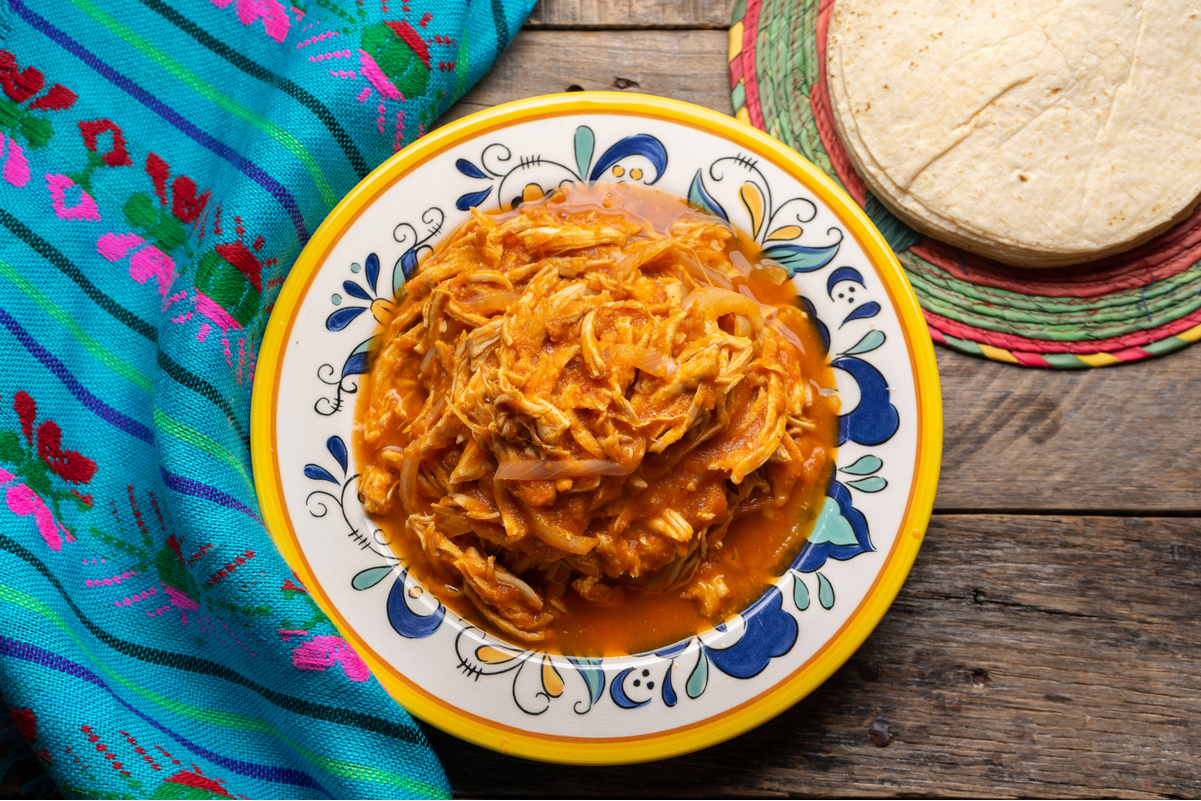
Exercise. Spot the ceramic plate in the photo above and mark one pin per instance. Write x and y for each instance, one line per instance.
(689, 694)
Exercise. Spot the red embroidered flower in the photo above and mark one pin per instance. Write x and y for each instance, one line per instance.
(27, 723)
(70, 466)
(158, 171)
(27, 411)
(19, 85)
(186, 205)
(58, 98)
(117, 155)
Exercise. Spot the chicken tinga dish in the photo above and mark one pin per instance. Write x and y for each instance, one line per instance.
(597, 423)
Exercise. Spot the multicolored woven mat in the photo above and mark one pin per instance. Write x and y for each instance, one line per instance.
(1146, 302)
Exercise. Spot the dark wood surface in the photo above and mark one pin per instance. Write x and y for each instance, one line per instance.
(1047, 642)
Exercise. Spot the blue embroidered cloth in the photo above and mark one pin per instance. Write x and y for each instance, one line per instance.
(162, 162)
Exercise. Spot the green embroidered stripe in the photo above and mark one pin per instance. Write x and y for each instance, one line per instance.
(229, 720)
(502, 25)
(200, 441)
(64, 265)
(272, 129)
(123, 315)
(203, 389)
(193, 664)
(255, 70)
(60, 316)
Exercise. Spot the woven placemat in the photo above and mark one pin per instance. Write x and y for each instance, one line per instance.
(1145, 302)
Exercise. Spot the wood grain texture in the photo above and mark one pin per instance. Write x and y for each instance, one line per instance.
(685, 65)
(1115, 439)
(1025, 656)
(631, 14)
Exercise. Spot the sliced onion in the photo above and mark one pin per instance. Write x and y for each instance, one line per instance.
(715, 303)
(408, 481)
(773, 271)
(655, 363)
(788, 334)
(649, 361)
(537, 470)
(741, 263)
(492, 302)
(426, 360)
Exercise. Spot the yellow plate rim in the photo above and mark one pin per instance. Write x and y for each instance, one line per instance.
(806, 677)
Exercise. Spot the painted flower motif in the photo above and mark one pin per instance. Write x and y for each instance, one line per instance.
(639, 158)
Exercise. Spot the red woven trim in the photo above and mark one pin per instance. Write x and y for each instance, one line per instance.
(1171, 253)
(823, 113)
(736, 73)
(750, 33)
(1030, 359)
(1015, 343)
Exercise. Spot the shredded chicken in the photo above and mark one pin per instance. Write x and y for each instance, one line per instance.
(569, 401)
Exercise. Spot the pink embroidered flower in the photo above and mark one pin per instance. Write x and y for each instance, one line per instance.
(376, 77)
(16, 166)
(152, 262)
(321, 653)
(114, 247)
(23, 502)
(271, 12)
(83, 209)
(212, 310)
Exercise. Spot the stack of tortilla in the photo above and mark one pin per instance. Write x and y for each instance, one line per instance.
(1036, 133)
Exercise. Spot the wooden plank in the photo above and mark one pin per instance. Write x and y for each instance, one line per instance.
(580, 14)
(1025, 656)
(685, 65)
(1117, 439)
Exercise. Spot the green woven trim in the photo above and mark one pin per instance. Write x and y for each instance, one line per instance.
(1155, 301)
(1065, 361)
(1101, 323)
(979, 293)
(1165, 345)
(786, 67)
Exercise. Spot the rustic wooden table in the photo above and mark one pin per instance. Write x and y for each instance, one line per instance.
(1047, 642)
